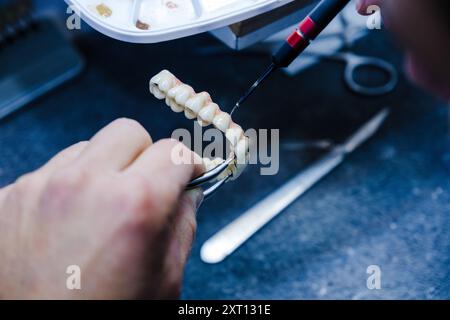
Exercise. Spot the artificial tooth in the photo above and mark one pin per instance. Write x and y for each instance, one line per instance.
(168, 101)
(173, 92)
(217, 161)
(156, 79)
(160, 77)
(241, 151)
(197, 102)
(184, 94)
(174, 106)
(241, 147)
(211, 164)
(153, 87)
(207, 163)
(167, 84)
(190, 114)
(222, 121)
(237, 170)
(207, 113)
(157, 93)
(234, 134)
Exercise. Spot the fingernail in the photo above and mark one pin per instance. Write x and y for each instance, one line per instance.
(196, 196)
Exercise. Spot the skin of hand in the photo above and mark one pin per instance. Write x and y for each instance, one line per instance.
(115, 206)
(422, 27)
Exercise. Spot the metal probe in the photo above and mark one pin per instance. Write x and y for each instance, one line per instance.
(247, 94)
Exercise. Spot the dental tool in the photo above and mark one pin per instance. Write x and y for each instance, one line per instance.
(211, 176)
(310, 27)
(230, 238)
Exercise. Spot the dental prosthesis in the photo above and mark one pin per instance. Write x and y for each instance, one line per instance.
(182, 98)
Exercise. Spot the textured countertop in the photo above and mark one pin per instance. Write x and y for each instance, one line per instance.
(387, 205)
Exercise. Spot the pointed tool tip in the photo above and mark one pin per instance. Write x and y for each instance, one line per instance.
(234, 108)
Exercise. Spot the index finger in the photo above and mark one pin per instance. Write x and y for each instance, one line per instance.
(168, 165)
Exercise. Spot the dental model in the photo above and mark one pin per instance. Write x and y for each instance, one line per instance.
(182, 98)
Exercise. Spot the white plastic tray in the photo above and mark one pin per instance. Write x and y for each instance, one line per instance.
(167, 19)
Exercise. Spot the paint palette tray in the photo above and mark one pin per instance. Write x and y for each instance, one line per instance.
(150, 21)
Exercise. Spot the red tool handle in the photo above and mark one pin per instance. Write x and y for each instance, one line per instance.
(314, 23)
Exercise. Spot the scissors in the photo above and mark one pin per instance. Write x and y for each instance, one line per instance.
(354, 62)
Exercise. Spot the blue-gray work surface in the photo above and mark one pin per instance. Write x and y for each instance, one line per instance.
(387, 205)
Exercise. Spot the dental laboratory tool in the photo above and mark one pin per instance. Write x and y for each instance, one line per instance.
(181, 97)
(230, 238)
(310, 27)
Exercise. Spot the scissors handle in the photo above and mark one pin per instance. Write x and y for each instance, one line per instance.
(355, 62)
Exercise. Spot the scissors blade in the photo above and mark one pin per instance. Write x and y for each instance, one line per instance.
(230, 238)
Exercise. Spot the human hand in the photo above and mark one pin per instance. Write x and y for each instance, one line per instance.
(115, 206)
(422, 28)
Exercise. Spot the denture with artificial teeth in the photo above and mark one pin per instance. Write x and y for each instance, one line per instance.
(182, 98)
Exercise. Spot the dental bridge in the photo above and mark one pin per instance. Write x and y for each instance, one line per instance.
(180, 98)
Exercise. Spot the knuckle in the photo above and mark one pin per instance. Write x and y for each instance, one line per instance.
(180, 153)
(65, 188)
(69, 181)
(138, 200)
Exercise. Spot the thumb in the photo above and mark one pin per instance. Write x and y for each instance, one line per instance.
(183, 226)
(185, 222)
